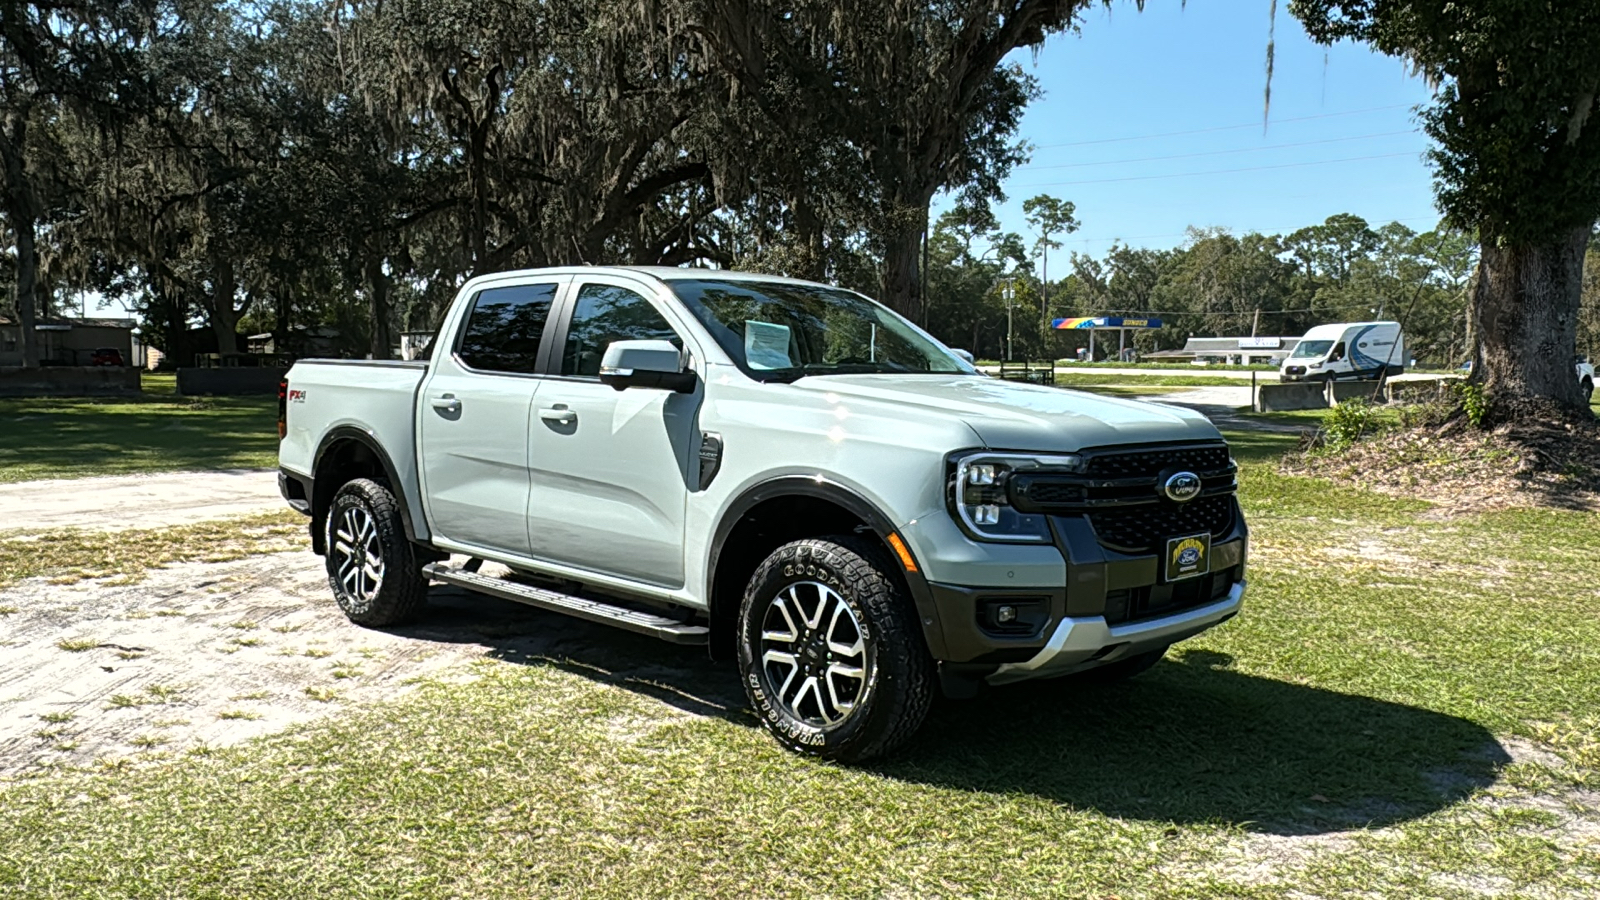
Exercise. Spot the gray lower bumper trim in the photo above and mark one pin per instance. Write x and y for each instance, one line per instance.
(1075, 642)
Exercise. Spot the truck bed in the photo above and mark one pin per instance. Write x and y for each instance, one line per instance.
(375, 397)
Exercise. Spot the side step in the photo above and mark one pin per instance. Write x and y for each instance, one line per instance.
(653, 625)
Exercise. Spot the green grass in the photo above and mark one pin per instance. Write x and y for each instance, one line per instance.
(159, 431)
(1347, 736)
(1073, 379)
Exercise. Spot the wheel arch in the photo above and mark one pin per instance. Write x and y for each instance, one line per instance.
(774, 512)
(345, 453)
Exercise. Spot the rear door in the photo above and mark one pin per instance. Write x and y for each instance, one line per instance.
(474, 411)
(610, 469)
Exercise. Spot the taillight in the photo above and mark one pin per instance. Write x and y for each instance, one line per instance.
(283, 407)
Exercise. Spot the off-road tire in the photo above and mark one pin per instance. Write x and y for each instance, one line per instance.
(1123, 669)
(899, 683)
(1588, 390)
(403, 590)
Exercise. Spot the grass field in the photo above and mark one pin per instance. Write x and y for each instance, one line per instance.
(160, 431)
(1076, 379)
(1410, 706)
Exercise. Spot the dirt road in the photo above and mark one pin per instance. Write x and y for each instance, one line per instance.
(136, 501)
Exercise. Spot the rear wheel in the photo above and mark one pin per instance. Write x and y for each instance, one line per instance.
(372, 569)
(1588, 390)
(830, 651)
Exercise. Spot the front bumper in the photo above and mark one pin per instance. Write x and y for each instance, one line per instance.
(1096, 594)
(1082, 643)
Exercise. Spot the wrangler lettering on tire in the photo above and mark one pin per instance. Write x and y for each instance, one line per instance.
(830, 651)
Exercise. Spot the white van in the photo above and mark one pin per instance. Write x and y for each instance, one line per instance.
(1347, 351)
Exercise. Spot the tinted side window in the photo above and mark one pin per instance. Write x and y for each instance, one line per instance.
(602, 314)
(504, 327)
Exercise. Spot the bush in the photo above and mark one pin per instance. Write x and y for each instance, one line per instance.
(1473, 402)
(1351, 420)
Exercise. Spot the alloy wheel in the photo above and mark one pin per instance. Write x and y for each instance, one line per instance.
(814, 654)
(359, 555)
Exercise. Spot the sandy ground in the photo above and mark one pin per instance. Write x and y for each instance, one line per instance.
(216, 653)
(136, 501)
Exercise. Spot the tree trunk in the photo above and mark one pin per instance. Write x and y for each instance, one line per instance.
(27, 288)
(378, 294)
(809, 238)
(902, 277)
(1525, 308)
(224, 318)
(20, 209)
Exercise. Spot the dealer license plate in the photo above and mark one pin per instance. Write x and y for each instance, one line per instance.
(1188, 557)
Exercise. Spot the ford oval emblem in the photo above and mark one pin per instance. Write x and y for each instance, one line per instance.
(1181, 487)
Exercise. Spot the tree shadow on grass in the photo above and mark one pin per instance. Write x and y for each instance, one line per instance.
(1191, 741)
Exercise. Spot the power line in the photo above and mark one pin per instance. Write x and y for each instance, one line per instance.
(1146, 137)
(1320, 162)
(1113, 162)
(1263, 231)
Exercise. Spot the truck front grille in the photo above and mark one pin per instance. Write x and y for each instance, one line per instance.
(1150, 463)
(1141, 529)
(1120, 491)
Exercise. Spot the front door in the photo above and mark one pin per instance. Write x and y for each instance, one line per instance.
(473, 418)
(610, 469)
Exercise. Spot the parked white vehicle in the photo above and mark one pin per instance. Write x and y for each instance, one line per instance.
(1348, 350)
(1586, 379)
(785, 471)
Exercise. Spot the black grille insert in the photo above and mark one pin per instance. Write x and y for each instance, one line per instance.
(1154, 601)
(1150, 463)
(1140, 529)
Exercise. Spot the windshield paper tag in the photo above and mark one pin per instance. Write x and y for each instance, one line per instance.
(766, 345)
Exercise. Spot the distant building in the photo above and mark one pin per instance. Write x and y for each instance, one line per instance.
(1237, 351)
(71, 342)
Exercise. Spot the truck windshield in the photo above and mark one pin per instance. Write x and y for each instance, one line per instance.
(1306, 349)
(778, 331)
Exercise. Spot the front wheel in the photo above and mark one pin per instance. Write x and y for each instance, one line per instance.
(830, 651)
(375, 576)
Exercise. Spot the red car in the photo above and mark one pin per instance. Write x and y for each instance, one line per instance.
(106, 356)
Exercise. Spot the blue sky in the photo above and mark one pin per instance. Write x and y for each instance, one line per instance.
(1201, 70)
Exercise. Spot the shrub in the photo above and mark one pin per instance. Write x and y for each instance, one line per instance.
(1350, 421)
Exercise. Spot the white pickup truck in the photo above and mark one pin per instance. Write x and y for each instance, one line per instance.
(787, 472)
(1586, 379)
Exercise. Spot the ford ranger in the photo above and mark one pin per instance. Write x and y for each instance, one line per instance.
(785, 472)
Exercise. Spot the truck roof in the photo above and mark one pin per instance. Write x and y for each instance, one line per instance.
(660, 273)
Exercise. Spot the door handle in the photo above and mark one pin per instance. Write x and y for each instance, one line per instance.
(558, 414)
(447, 404)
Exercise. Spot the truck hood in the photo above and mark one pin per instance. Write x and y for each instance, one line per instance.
(1008, 415)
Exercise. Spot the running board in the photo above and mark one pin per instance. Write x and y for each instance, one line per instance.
(653, 625)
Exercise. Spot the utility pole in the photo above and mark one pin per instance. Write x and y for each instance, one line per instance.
(1008, 292)
(1044, 293)
(1256, 325)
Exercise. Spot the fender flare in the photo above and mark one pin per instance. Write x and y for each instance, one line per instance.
(848, 499)
(338, 435)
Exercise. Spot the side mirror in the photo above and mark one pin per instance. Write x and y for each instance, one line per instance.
(645, 364)
(966, 355)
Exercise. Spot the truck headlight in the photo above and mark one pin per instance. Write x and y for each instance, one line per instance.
(979, 494)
